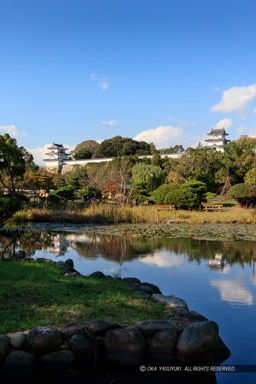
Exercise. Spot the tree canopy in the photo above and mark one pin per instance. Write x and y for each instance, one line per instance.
(12, 163)
(121, 146)
(85, 150)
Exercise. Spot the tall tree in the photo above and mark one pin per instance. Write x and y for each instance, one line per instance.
(85, 150)
(12, 163)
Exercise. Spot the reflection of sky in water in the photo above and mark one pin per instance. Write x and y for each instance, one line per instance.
(233, 291)
(211, 286)
(163, 258)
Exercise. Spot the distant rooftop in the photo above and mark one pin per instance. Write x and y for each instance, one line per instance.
(218, 131)
(56, 146)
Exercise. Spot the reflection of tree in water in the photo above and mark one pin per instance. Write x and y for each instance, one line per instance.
(23, 243)
(122, 248)
(115, 248)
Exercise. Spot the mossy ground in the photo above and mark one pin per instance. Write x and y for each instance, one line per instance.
(36, 293)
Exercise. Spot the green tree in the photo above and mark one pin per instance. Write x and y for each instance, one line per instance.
(152, 175)
(85, 150)
(88, 193)
(181, 198)
(249, 177)
(121, 146)
(245, 194)
(12, 163)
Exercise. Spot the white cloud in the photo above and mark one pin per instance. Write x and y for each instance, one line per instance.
(103, 84)
(102, 81)
(39, 153)
(254, 112)
(109, 122)
(162, 259)
(12, 130)
(233, 291)
(162, 136)
(236, 99)
(226, 123)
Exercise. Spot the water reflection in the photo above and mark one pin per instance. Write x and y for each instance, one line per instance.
(216, 278)
(163, 252)
(233, 291)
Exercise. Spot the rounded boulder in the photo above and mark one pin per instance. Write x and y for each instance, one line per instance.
(197, 343)
(125, 347)
(44, 339)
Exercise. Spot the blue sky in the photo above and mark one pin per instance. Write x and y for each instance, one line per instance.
(164, 71)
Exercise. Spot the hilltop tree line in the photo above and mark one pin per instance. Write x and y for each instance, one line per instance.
(184, 181)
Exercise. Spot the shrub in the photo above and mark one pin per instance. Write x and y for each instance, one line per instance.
(181, 198)
(140, 191)
(8, 205)
(185, 196)
(199, 189)
(160, 193)
(88, 193)
(66, 192)
(245, 194)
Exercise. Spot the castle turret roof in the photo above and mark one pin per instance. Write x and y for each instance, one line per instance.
(217, 131)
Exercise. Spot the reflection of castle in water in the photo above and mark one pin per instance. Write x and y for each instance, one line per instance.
(63, 243)
(217, 263)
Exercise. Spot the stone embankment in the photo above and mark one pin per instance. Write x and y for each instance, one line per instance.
(186, 338)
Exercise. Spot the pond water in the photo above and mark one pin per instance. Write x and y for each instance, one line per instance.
(215, 278)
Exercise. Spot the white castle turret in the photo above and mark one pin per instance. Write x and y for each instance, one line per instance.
(56, 157)
(217, 139)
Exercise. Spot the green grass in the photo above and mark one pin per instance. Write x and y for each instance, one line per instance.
(107, 213)
(36, 293)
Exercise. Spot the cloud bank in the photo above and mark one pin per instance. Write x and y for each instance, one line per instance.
(12, 131)
(226, 123)
(236, 99)
(162, 136)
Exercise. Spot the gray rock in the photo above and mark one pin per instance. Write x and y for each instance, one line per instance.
(60, 263)
(171, 302)
(83, 348)
(197, 343)
(4, 347)
(150, 327)
(58, 360)
(72, 329)
(146, 289)
(152, 286)
(125, 347)
(222, 352)
(44, 339)
(161, 349)
(100, 327)
(98, 275)
(20, 363)
(70, 262)
(19, 341)
(132, 280)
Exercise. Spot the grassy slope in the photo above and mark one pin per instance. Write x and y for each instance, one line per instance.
(37, 293)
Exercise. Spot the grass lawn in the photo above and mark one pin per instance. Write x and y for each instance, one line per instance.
(36, 293)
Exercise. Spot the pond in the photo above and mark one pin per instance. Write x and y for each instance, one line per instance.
(215, 278)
